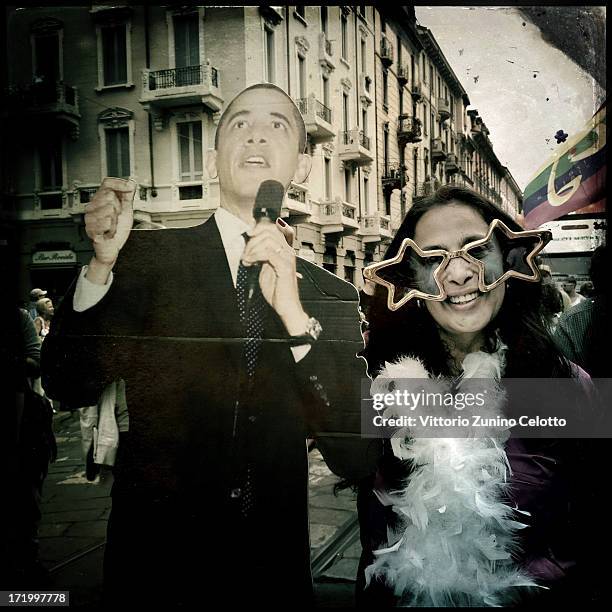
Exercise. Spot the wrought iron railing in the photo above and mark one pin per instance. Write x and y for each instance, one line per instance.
(41, 94)
(307, 105)
(348, 211)
(352, 136)
(409, 126)
(181, 77)
(297, 194)
(386, 49)
(392, 171)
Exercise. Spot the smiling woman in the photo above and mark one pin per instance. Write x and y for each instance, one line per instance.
(454, 527)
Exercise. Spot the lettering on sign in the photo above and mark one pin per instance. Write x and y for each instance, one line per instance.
(54, 257)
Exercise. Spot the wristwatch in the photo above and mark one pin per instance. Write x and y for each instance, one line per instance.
(311, 335)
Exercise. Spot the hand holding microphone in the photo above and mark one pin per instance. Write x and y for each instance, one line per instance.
(273, 260)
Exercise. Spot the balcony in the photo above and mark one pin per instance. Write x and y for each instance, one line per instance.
(444, 109)
(375, 228)
(393, 177)
(366, 90)
(438, 149)
(408, 129)
(403, 74)
(386, 52)
(451, 166)
(317, 117)
(182, 86)
(417, 92)
(427, 188)
(326, 51)
(338, 217)
(46, 101)
(297, 201)
(354, 146)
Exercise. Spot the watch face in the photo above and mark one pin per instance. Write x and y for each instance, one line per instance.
(314, 328)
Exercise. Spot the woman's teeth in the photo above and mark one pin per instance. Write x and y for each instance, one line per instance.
(463, 299)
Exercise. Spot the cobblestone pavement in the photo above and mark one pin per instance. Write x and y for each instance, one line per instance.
(75, 512)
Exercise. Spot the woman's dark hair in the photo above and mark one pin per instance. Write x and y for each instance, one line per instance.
(412, 331)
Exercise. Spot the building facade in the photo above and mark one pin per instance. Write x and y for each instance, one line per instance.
(137, 92)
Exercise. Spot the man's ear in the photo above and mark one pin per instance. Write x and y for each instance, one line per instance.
(211, 163)
(304, 165)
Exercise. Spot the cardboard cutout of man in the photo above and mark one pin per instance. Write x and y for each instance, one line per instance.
(210, 492)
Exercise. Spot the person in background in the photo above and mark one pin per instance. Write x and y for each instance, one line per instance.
(552, 300)
(569, 286)
(35, 295)
(31, 443)
(586, 289)
(42, 323)
(581, 332)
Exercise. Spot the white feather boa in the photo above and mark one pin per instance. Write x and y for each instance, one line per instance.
(455, 539)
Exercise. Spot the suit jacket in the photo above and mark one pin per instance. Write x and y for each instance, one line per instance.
(169, 326)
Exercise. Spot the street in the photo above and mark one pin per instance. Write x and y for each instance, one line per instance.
(75, 512)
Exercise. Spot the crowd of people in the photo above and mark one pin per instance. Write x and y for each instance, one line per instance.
(210, 469)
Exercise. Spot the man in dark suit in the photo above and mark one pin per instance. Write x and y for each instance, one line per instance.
(210, 492)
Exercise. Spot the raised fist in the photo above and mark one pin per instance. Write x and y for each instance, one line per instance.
(109, 217)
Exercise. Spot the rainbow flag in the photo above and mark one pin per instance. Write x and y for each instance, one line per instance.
(572, 179)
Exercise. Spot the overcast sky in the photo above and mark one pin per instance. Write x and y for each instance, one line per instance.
(496, 57)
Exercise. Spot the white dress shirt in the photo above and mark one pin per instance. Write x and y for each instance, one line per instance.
(231, 228)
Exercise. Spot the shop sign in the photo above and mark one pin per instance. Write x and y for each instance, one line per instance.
(569, 236)
(54, 257)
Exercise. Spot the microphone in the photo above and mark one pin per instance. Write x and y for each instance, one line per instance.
(268, 204)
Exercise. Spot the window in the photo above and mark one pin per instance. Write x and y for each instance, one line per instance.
(47, 58)
(347, 185)
(269, 55)
(302, 76)
(383, 25)
(364, 121)
(327, 178)
(186, 50)
(118, 152)
(431, 78)
(349, 266)
(190, 150)
(326, 91)
(385, 77)
(324, 24)
(363, 56)
(433, 125)
(366, 193)
(415, 162)
(114, 54)
(345, 111)
(401, 100)
(415, 77)
(423, 66)
(344, 35)
(387, 196)
(329, 259)
(50, 157)
(386, 148)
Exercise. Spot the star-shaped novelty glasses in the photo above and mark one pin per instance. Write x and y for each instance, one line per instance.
(501, 254)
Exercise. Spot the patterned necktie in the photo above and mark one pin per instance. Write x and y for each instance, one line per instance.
(251, 309)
